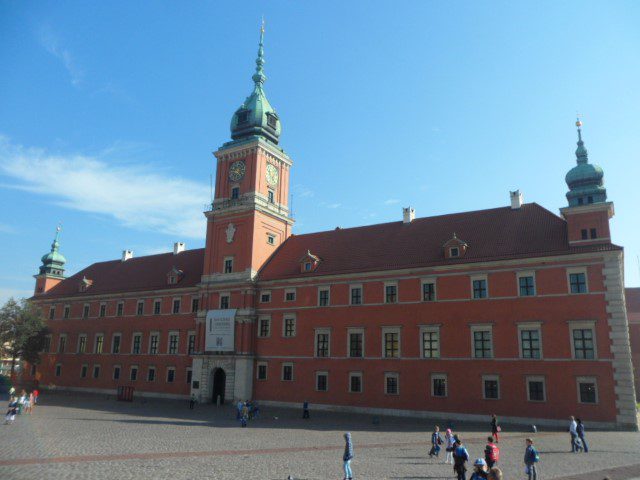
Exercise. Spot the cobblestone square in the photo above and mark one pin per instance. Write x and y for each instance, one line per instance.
(80, 436)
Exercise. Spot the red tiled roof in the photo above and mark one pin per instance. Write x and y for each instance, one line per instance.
(136, 274)
(633, 299)
(493, 234)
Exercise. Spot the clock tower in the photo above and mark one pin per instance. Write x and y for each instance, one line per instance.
(249, 218)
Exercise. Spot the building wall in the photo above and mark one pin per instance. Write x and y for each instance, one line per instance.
(633, 313)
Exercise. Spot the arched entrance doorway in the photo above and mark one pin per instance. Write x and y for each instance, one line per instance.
(219, 380)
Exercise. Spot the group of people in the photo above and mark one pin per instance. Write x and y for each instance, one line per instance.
(246, 411)
(23, 403)
(578, 441)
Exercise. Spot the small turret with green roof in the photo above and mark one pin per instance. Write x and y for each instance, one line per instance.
(585, 180)
(53, 262)
(256, 116)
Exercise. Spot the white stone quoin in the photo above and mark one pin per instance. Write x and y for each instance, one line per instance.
(127, 255)
(408, 215)
(517, 199)
(179, 247)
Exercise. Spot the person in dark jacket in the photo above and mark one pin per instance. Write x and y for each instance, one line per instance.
(460, 457)
(491, 453)
(305, 410)
(479, 470)
(347, 457)
(495, 428)
(436, 441)
(531, 457)
(580, 433)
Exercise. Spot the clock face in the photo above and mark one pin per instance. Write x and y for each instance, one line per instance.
(236, 171)
(272, 174)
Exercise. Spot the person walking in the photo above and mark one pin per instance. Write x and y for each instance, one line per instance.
(11, 411)
(479, 470)
(580, 434)
(491, 453)
(347, 457)
(573, 431)
(192, 401)
(436, 441)
(449, 446)
(531, 457)
(36, 394)
(460, 457)
(305, 410)
(495, 428)
(239, 406)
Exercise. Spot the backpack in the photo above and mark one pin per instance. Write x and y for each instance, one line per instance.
(492, 452)
(536, 455)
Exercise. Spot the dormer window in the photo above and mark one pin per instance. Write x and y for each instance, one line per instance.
(272, 121)
(172, 280)
(84, 285)
(454, 247)
(243, 117)
(307, 266)
(454, 252)
(309, 262)
(174, 276)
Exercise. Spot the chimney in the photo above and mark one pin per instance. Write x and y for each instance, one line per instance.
(178, 247)
(126, 255)
(408, 215)
(517, 199)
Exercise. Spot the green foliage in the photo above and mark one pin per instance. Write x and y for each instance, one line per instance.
(22, 331)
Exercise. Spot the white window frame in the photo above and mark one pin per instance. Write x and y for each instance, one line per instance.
(583, 325)
(138, 302)
(113, 372)
(222, 295)
(133, 337)
(266, 371)
(121, 302)
(151, 334)
(137, 373)
(587, 379)
(166, 375)
(289, 316)
(102, 304)
(395, 375)
(271, 239)
(439, 376)
(356, 374)
(435, 288)
(173, 301)
(260, 320)
(82, 335)
(586, 279)
(265, 292)
(353, 287)
(527, 273)
(495, 378)
(359, 330)
(293, 373)
(155, 373)
(60, 337)
(384, 292)
(324, 289)
(484, 277)
(290, 290)
(86, 307)
(326, 374)
(116, 334)
(191, 333)
(386, 330)
(155, 301)
(319, 331)
(481, 327)
(536, 378)
(177, 334)
(93, 370)
(95, 343)
(65, 309)
(530, 326)
(52, 312)
(429, 329)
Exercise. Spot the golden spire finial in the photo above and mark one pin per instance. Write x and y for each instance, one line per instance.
(578, 121)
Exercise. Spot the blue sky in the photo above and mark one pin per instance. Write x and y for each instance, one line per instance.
(109, 113)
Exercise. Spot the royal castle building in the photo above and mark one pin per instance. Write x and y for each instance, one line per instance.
(513, 310)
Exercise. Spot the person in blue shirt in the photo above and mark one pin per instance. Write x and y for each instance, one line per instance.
(531, 457)
(479, 470)
(460, 457)
(580, 433)
(436, 441)
(347, 457)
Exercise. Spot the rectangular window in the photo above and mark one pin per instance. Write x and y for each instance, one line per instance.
(264, 327)
(83, 371)
(323, 297)
(116, 372)
(289, 295)
(356, 341)
(482, 347)
(140, 307)
(289, 327)
(82, 344)
(587, 390)
(133, 375)
(189, 376)
(228, 265)
(355, 382)
(439, 385)
(103, 309)
(391, 386)
(99, 343)
(62, 343)
(151, 374)
(530, 343)
(490, 387)
(270, 196)
(195, 303)
(262, 371)
(527, 286)
(176, 305)
(191, 347)
(430, 343)
(271, 239)
(58, 370)
(157, 304)
(265, 297)
(173, 343)
(137, 342)
(322, 344)
(428, 291)
(390, 293)
(287, 372)
(583, 344)
(85, 310)
(480, 288)
(235, 193)
(578, 282)
(171, 374)
(391, 344)
(536, 389)
(584, 235)
(454, 252)
(96, 371)
(46, 345)
(67, 311)
(115, 345)
(52, 312)
(224, 302)
(153, 343)
(593, 233)
(120, 309)
(322, 381)
(356, 295)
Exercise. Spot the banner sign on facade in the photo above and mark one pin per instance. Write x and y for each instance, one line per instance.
(220, 330)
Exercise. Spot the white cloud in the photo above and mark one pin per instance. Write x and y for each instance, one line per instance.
(135, 195)
(17, 294)
(51, 44)
(4, 228)
(334, 205)
(391, 201)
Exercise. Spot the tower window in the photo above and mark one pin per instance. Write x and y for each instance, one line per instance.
(270, 196)
(243, 117)
(272, 121)
(235, 193)
(228, 265)
(271, 239)
(593, 233)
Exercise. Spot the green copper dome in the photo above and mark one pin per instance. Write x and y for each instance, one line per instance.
(585, 180)
(53, 262)
(256, 116)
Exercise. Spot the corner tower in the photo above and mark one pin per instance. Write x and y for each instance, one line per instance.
(52, 268)
(589, 211)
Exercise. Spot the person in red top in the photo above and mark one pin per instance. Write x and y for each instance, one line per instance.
(36, 393)
(491, 452)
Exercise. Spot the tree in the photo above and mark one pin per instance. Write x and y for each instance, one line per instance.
(22, 331)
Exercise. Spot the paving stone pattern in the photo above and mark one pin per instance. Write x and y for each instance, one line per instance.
(77, 437)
